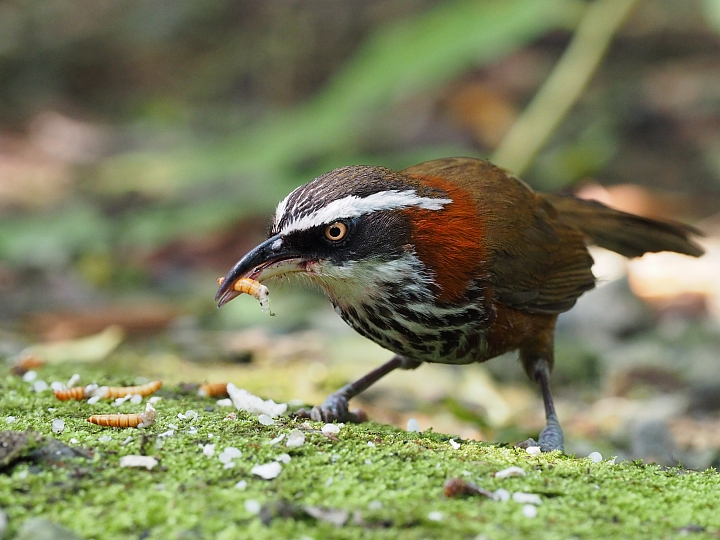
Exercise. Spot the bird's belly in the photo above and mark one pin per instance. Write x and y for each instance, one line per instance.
(446, 336)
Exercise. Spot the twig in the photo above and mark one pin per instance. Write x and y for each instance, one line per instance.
(602, 18)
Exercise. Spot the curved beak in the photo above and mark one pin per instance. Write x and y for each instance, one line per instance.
(269, 259)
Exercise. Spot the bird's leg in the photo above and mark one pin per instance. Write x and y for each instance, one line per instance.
(551, 437)
(335, 406)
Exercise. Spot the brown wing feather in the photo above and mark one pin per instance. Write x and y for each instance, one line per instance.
(537, 262)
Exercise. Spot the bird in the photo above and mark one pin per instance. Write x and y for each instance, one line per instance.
(451, 261)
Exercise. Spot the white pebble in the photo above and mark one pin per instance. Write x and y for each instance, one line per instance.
(375, 505)
(413, 426)
(75, 441)
(172, 426)
(454, 444)
(228, 454)
(252, 506)
(330, 429)
(329, 482)
(10, 419)
(153, 400)
(265, 419)
(136, 398)
(40, 386)
(268, 471)
(58, 426)
(73, 380)
(128, 440)
(245, 401)
(277, 439)
(501, 495)
(529, 511)
(435, 516)
(283, 458)
(208, 450)
(168, 433)
(526, 498)
(510, 471)
(138, 461)
(30, 376)
(595, 457)
(533, 450)
(93, 400)
(229, 465)
(368, 462)
(105, 438)
(57, 385)
(242, 484)
(192, 431)
(225, 402)
(295, 438)
(370, 443)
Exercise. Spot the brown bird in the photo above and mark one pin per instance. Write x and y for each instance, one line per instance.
(451, 261)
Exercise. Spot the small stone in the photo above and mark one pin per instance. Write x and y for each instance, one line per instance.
(40, 386)
(228, 454)
(529, 511)
(510, 471)
(57, 386)
(225, 402)
(93, 400)
(533, 450)
(375, 505)
(283, 458)
(58, 426)
(435, 516)
(595, 457)
(10, 419)
(30, 376)
(208, 450)
(252, 506)
(295, 438)
(455, 445)
(136, 398)
(138, 461)
(229, 465)
(526, 498)
(242, 484)
(265, 419)
(268, 471)
(413, 426)
(330, 429)
(277, 439)
(501, 495)
(105, 438)
(371, 444)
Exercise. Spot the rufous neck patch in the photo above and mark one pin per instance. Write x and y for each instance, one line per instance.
(449, 241)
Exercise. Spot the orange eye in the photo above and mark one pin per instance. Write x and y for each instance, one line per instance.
(336, 231)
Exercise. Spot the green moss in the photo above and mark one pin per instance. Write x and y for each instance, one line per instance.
(391, 485)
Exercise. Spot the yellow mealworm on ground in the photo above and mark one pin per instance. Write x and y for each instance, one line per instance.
(141, 420)
(70, 393)
(254, 288)
(216, 389)
(114, 392)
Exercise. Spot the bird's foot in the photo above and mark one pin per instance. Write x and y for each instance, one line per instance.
(335, 409)
(551, 437)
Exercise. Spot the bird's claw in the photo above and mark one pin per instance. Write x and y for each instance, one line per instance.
(551, 438)
(334, 409)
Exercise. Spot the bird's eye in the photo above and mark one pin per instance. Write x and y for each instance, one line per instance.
(336, 231)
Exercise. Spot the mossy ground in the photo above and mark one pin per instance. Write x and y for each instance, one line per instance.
(390, 481)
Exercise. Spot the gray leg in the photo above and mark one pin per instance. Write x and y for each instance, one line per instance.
(335, 406)
(551, 437)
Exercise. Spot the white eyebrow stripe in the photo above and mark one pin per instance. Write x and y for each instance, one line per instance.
(353, 206)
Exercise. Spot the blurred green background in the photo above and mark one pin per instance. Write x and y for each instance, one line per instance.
(143, 145)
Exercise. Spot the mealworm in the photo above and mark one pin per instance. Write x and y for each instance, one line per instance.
(254, 288)
(114, 392)
(215, 389)
(27, 363)
(70, 393)
(141, 420)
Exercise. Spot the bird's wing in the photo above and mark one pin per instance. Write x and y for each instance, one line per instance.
(536, 262)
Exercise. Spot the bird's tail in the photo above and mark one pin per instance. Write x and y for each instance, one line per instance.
(624, 233)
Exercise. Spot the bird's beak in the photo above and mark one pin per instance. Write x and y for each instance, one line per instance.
(269, 259)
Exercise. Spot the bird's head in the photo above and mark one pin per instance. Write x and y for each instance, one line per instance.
(358, 230)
